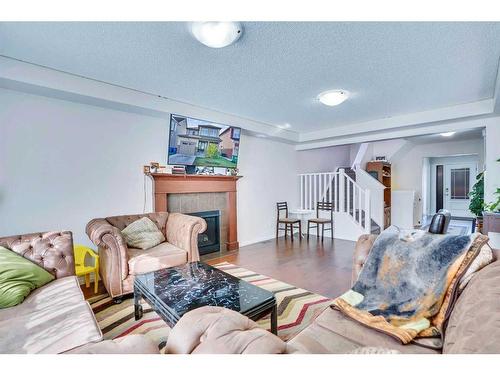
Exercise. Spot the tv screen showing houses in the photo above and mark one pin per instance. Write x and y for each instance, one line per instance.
(202, 143)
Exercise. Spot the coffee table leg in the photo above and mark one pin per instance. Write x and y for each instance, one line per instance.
(274, 320)
(137, 305)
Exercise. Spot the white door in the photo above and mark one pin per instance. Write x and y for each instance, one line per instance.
(458, 182)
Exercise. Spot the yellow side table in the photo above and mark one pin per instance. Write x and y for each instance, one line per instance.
(82, 270)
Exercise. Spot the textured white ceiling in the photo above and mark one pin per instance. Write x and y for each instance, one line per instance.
(275, 71)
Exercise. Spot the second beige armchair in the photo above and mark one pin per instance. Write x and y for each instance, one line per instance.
(119, 263)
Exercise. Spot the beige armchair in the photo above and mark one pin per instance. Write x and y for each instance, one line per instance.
(118, 264)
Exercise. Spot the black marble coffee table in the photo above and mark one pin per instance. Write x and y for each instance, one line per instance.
(174, 291)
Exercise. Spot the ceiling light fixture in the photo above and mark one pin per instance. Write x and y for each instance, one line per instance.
(448, 134)
(216, 34)
(333, 97)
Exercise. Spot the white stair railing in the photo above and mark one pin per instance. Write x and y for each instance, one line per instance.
(317, 187)
(340, 189)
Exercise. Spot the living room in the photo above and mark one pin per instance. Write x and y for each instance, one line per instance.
(160, 194)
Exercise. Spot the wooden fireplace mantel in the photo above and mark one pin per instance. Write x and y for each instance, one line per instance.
(166, 183)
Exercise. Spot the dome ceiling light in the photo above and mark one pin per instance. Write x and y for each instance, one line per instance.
(216, 34)
(333, 97)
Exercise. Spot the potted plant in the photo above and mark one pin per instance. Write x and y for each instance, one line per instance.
(495, 205)
(476, 196)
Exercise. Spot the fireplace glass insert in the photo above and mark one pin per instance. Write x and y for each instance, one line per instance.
(209, 241)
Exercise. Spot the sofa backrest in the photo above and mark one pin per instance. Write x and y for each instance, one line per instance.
(474, 324)
(361, 251)
(51, 250)
(121, 222)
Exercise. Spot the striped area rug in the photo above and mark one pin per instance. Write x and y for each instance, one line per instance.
(296, 309)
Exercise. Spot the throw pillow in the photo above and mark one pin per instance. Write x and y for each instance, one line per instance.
(143, 234)
(18, 277)
(484, 258)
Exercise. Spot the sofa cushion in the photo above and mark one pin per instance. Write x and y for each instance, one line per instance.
(143, 234)
(484, 258)
(333, 332)
(474, 324)
(161, 256)
(18, 277)
(216, 330)
(53, 319)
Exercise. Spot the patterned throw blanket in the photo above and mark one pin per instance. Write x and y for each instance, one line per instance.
(409, 282)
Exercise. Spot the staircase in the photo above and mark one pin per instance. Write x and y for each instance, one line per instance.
(351, 203)
(375, 228)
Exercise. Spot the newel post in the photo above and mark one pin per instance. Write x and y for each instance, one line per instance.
(342, 190)
(368, 215)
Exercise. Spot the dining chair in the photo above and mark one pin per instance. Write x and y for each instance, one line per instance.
(289, 222)
(321, 206)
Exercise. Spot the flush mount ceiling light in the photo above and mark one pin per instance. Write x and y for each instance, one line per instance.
(216, 34)
(333, 97)
(448, 134)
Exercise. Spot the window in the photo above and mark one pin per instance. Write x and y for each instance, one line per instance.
(236, 133)
(460, 183)
(202, 145)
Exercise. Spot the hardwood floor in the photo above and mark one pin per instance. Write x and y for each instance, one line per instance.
(324, 268)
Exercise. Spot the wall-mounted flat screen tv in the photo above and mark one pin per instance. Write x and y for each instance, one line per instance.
(202, 143)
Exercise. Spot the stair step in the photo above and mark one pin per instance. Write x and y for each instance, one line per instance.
(375, 228)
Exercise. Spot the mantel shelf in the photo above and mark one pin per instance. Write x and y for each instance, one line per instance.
(192, 176)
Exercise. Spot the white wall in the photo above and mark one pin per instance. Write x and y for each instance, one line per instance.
(269, 171)
(353, 152)
(407, 169)
(388, 148)
(326, 159)
(64, 163)
(492, 176)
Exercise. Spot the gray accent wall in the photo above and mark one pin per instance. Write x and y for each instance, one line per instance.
(326, 159)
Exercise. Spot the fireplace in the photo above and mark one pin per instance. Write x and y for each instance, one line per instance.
(222, 190)
(209, 241)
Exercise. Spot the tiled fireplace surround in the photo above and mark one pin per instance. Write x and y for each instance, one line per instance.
(198, 202)
(196, 193)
